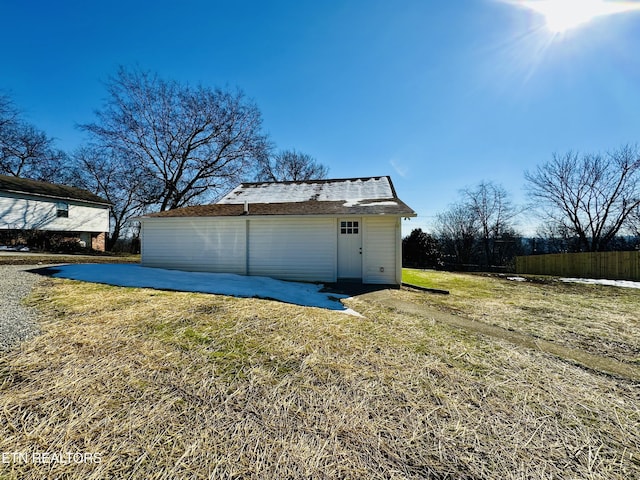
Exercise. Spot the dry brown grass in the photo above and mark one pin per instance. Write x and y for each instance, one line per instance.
(55, 258)
(600, 319)
(182, 385)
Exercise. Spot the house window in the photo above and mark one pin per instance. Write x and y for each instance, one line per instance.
(62, 210)
(349, 228)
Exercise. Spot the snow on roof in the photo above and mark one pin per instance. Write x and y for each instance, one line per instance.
(351, 190)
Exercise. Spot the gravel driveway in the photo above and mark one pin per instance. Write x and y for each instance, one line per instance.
(17, 322)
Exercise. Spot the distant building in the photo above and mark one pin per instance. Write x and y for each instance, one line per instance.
(315, 230)
(72, 214)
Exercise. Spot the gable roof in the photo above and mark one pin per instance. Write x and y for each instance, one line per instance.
(352, 196)
(51, 190)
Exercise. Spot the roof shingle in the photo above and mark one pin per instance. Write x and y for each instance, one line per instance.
(353, 196)
(44, 189)
(312, 207)
(347, 189)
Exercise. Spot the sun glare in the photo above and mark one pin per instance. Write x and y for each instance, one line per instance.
(563, 15)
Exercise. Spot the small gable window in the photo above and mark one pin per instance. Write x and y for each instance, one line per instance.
(62, 210)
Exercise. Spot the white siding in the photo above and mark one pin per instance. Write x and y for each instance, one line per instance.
(290, 248)
(31, 213)
(301, 248)
(379, 250)
(195, 244)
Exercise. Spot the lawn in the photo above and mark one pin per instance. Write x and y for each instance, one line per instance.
(601, 319)
(183, 385)
(56, 258)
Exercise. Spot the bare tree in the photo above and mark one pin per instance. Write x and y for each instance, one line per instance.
(634, 223)
(554, 238)
(591, 196)
(26, 151)
(494, 213)
(196, 142)
(290, 165)
(125, 184)
(457, 230)
(8, 112)
(479, 228)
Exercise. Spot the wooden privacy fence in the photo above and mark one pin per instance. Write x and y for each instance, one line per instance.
(611, 265)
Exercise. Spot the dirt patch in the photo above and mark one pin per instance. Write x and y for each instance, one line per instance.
(578, 356)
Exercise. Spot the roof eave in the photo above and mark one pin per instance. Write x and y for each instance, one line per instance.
(282, 215)
(56, 197)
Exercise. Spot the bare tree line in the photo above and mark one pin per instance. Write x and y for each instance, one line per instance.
(26, 151)
(155, 144)
(590, 197)
(585, 202)
(479, 228)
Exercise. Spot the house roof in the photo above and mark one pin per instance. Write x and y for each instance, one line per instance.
(51, 190)
(353, 196)
(351, 190)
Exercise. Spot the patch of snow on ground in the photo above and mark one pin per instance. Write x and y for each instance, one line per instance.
(517, 279)
(131, 275)
(14, 248)
(610, 283)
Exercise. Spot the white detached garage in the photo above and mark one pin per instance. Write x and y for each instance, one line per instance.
(316, 230)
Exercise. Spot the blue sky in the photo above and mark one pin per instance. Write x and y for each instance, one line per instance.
(438, 94)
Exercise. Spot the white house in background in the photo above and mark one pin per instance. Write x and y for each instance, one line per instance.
(316, 230)
(68, 212)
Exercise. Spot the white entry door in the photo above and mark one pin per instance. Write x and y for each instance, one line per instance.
(350, 248)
